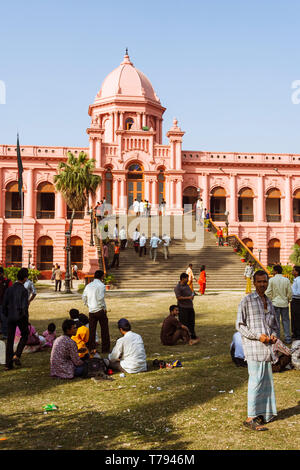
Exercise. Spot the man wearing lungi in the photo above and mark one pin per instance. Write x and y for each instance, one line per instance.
(256, 321)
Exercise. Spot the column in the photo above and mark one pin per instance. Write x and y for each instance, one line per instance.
(288, 201)
(60, 206)
(205, 195)
(177, 146)
(115, 193)
(179, 194)
(171, 194)
(29, 199)
(232, 199)
(98, 158)
(139, 121)
(122, 194)
(143, 119)
(147, 189)
(260, 199)
(1, 198)
(91, 148)
(154, 200)
(115, 124)
(121, 120)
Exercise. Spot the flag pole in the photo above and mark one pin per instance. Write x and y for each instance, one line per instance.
(20, 187)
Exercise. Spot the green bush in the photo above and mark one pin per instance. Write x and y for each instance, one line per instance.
(286, 271)
(295, 256)
(109, 279)
(12, 271)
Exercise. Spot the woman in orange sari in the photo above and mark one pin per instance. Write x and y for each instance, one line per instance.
(202, 280)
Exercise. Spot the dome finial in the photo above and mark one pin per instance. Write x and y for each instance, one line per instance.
(126, 51)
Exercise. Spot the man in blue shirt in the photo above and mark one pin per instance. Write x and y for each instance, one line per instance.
(295, 304)
(154, 241)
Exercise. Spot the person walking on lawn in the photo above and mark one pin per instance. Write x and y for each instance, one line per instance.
(256, 321)
(185, 297)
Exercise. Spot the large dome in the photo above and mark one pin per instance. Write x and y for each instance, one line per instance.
(126, 81)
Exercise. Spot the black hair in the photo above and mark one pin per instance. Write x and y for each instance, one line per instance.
(297, 268)
(51, 327)
(172, 307)
(74, 313)
(260, 272)
(67, 325)
(22, 274)
(1, 270)
(277, 268)
(83, 319)
(202, 268)
(184, 276)
(125, 327)
(98, 274)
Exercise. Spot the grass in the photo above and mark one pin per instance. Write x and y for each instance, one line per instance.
(193, 410)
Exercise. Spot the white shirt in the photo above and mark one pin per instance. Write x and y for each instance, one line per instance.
(143, 241)
(135, 236)
(279, 291)
(154, 242)
(166, 240)
(296, 287)
(29, 286)
(116, 232)
(123, 234)
(131, 352)
(93, 296)
(142, 206)
(136, 206)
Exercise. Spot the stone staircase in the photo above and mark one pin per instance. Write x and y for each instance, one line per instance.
(224, 268)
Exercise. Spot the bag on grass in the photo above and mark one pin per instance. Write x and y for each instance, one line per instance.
(94, 366)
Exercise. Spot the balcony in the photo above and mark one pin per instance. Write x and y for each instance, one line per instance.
(246, 217)
(13, 214)
(41, 214)
(273, 217)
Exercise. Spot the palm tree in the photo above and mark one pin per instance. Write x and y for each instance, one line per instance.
(75, 181)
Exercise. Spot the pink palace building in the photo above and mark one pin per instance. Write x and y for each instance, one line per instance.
(261, 192)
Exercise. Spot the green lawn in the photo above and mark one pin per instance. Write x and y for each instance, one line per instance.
(193, 410)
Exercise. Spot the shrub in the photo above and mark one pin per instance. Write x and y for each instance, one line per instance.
(295, 256)
(12, 271)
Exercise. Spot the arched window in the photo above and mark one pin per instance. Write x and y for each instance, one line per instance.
(129, 123)
(45, 201)
(135, 183)
(296, 206)
(218, 204)
(14, 251)
(77, 251)
(108, 186)
(45, 253)
(13, 201)
(273, 251)
(273, 205)
(189, 198)
(245, 205)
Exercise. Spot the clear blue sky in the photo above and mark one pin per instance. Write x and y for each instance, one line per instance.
(223, 68)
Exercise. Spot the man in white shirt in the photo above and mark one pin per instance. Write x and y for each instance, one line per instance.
(135, 237)
(295, 304)
(154, 241)
(166, 239)
(142, 208)
(279, 292)
(136, 207)
(93, 297)
(128, 355)
(29, 286)
(123, 238)
(116, 233)
(143, 241)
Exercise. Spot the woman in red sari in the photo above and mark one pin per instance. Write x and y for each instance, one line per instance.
(202, 280)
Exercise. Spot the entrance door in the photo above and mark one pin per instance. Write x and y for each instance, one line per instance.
(135, 191)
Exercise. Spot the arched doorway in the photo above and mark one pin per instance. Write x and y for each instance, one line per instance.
(218, 204)
(45, 201)
(245, 205)
(135, 183)
(108, 184)
(273, 205)
(45, 253)
(249, 243)
(189, 197)
(77, 251)
(273, 251)
(161, 185)
(13, 251)
(296, 206)
(13, 201)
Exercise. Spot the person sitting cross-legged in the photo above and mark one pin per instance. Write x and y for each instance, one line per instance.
(172, 330)
(64, 360)
(128, 355)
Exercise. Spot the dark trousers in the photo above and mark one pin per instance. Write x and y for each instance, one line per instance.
(57, 285)
(3, 319)
(103, 320)
(179, 334)
(143, 248)
(116, 260)
(187, 317)
(11, 331)
(295, 318)
(123, 244)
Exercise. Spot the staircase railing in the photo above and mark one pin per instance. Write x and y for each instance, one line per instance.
(236, 243)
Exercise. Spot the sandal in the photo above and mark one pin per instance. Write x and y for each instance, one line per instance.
(255, 424)
(17, 361)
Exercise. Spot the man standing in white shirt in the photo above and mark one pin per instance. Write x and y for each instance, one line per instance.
(136, 207)
(93, 297)
(128, 355)
(135, 237)
(123, 238)
(142, 208)
(116, 233)
(166, 239)
(295, 304)
(143, 241)
(154, 241)
(29, 286)
(279, 292)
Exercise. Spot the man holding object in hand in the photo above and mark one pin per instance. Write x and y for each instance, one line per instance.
(257, 323)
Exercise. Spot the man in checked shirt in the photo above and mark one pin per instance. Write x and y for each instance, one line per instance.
(256, 321)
